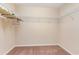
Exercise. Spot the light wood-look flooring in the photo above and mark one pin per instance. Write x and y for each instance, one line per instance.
(38, 50)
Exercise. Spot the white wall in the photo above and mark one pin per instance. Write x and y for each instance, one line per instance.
(69, 28)
(36, 11)
(1, 39)
(33, 32)
(7, 35)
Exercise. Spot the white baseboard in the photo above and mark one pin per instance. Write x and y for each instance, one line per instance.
(65, 49)
(36, 45)
(8, 50)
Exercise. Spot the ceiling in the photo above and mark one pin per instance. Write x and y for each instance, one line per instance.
(41, 4)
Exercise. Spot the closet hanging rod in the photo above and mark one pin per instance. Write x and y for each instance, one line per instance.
(26, 17)
(71, 13)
